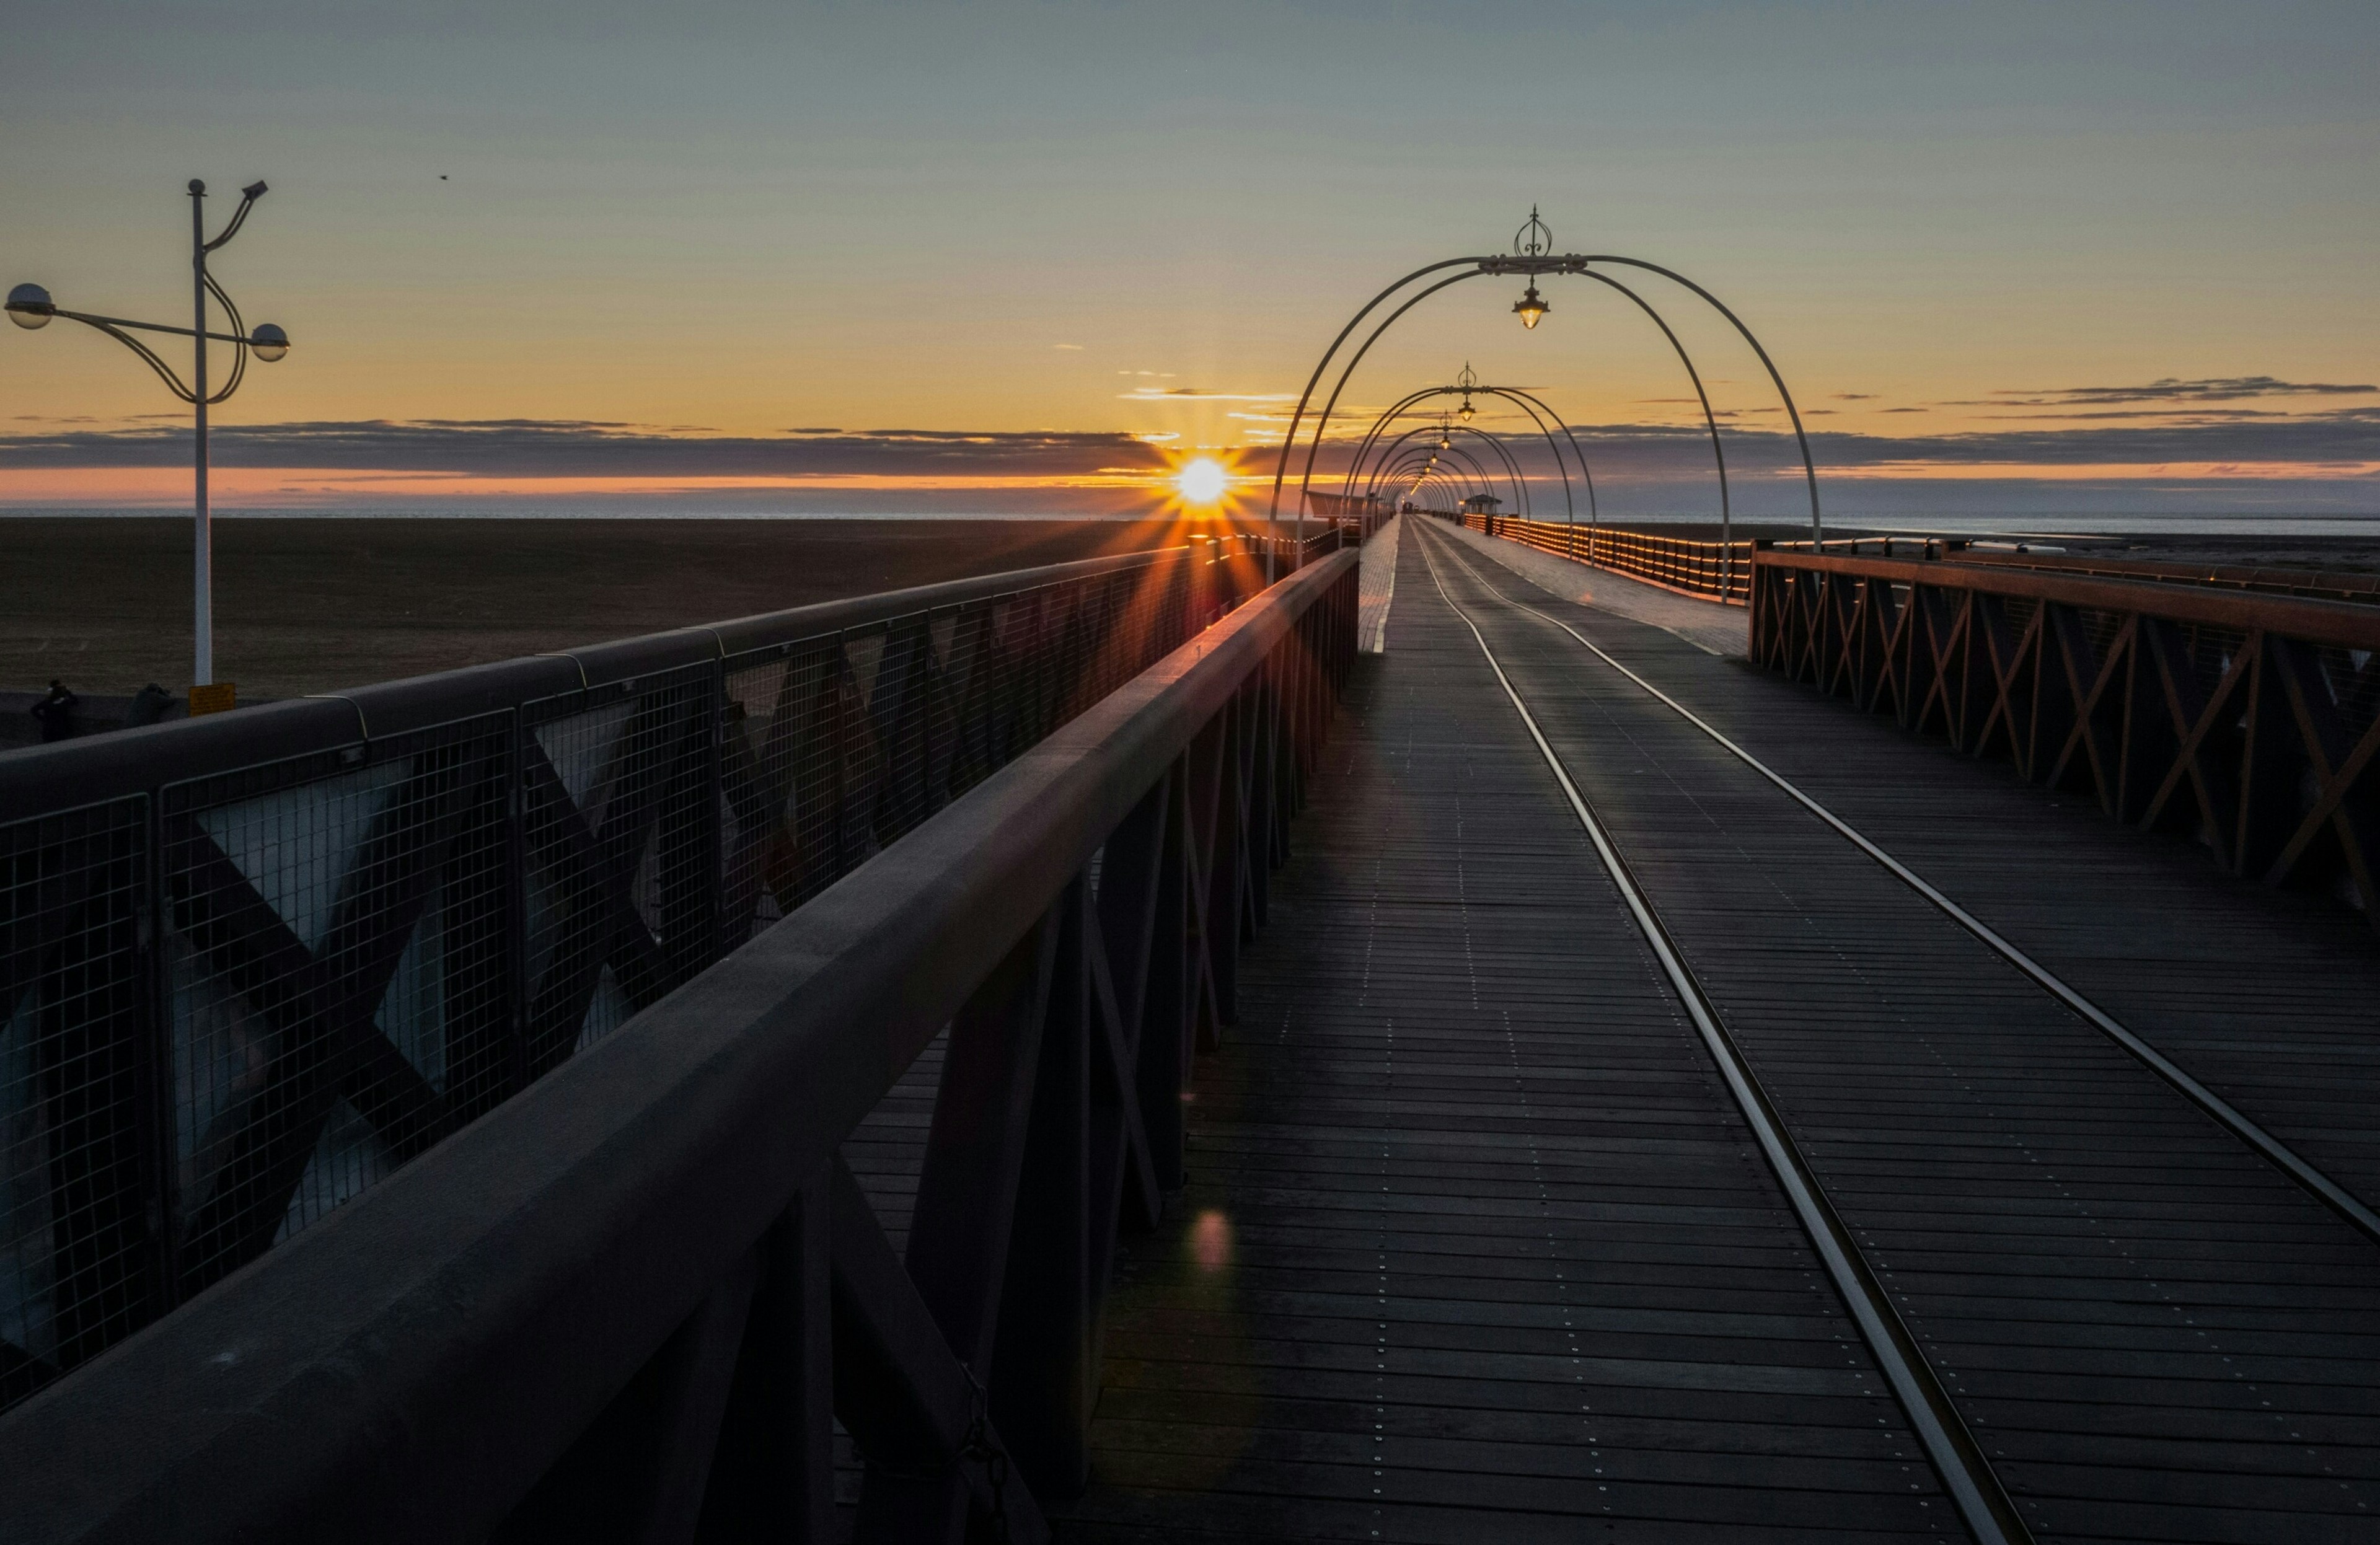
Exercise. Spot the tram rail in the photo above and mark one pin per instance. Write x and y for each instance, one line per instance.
(1958, 1459)
(2353, 1209)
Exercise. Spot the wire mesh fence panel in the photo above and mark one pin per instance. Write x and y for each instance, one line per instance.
(967, 667)
(231, 1004)
(897, 706)
(2209, 651)
(2353, 678)
(335, 960)
(620, 854)
(780, 781)
(79, 1263)
(2101, 628)
(832, 747)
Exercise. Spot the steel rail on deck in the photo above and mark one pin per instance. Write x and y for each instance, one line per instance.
(615, 1298)
(1967, 1475)
(2330, 1193)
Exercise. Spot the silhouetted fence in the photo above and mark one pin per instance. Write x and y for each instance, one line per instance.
(634, 1301)
(251, 964)
(1712, 570)
(2249, 720)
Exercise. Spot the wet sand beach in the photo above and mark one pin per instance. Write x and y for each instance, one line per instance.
(308, 604)
(311, 604)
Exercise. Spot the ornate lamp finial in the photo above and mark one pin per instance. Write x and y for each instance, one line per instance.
(1534, 239)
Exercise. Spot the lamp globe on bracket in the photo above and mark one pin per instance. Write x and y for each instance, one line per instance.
(31, 307)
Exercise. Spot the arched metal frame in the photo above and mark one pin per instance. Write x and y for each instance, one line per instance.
(1452, 492)
(1534, 405)
(1465, 463)
(1711, 421)
(1525, 401)
(1323, 421)
(1461, 458)
(1511, 470)
(1531, 264)
(1512, 465)
(1461, 462)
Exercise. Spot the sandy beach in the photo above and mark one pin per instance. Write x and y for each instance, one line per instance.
(312, 604)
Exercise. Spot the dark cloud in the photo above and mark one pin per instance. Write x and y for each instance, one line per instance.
(2346, 434)
(2215, 389)
(541, 447)
(531, 449)
(1855, 396)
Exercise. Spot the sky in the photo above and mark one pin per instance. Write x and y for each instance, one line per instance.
(721, 258)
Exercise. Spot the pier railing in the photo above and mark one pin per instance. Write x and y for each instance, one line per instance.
(2249, 721)
(2312, 584)
(252, 964)
(633, 1301)
(1718, 571)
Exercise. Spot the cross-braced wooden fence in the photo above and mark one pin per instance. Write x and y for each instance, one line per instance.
(251, 965)
(2249, 721)
(631, 1301)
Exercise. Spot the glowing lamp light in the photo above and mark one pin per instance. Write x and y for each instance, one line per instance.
(1530, 308)
(1466, 411)
(267, 342)
(1202, 482)
(29, 306)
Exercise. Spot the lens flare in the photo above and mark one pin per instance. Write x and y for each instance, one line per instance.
(1202, 482)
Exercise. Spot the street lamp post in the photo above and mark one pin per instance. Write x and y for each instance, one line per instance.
(29, 306)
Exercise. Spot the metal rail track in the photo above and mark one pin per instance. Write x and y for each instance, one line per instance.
(2317, 1184)
(1983, 1503)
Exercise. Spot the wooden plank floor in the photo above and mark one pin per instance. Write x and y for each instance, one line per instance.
(1475, 1245)
(2272, 998)
(2155, 1335)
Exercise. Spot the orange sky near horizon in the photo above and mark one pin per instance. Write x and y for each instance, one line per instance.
(1942, 221)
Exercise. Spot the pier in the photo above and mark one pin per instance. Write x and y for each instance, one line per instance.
(1142, 1052)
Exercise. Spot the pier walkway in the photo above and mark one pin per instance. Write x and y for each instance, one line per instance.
(1612, 1147)
(1245, 1041)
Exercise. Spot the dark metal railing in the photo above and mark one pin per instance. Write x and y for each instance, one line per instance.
(2313, 584)
(252, 964)
(2249, 721)
(634, 1301)
(1710, 570)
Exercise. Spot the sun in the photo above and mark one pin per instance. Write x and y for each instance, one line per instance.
(1202, 482)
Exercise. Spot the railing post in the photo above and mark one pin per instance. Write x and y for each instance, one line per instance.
(1043, 1379)
(2272, 761)
(1170, 995)
(164, 1200)
(519, 1057)
(642, 1470)
(714, 833)
(961, 1228)
(773, 1478)
(1218, 795)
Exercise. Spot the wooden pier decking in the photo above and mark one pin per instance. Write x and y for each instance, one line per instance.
(1477, 1246)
